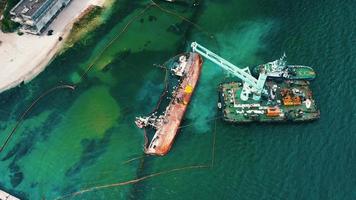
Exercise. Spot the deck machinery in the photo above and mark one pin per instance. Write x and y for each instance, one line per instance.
(262, 100)
(251, 85)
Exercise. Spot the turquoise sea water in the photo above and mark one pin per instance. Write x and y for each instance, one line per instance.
(75, 140)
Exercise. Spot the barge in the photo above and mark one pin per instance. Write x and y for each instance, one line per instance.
(271, 94)
(186, 68)
(284, 101)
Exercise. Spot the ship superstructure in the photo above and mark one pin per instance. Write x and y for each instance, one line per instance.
(279, 70)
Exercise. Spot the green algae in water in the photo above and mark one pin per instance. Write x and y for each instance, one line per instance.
(91, 127)
(93, 113)
(250, 37)
(75, 78)
(149, 34)
(252, 162)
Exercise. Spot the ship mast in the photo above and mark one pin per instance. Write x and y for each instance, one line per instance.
(251, 85)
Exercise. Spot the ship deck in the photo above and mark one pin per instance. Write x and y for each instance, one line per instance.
(238, 111)
(303, 72)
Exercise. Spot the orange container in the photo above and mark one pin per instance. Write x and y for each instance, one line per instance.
(273, 111)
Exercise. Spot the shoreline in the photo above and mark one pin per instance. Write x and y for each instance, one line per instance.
(24, 57)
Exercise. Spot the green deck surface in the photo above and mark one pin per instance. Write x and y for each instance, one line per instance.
(303, 72)
(232, 104)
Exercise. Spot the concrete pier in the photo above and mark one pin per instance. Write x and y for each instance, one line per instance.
(7, 196)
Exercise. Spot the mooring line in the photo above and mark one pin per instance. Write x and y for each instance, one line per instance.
(29, 108)
(208, 120)
(213, 146)
(114, 39)
(182, 18)
(133, 159)
(137, 180)
(130, 181)
(152, 4)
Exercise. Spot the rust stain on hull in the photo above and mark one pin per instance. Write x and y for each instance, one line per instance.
(166, 133)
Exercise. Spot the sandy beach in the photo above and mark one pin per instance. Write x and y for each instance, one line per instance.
(23, 57)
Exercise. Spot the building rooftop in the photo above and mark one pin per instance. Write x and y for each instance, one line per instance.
(28, 7)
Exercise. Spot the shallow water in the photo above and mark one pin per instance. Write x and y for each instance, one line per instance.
(73, 140)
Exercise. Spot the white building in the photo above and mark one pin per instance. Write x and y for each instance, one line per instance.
(35, 15)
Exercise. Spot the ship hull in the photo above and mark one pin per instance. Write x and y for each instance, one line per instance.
(165, 134)
(295, 72)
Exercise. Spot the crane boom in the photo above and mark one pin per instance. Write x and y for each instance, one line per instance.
(251, 84)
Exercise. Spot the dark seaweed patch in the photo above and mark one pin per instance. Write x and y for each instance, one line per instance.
(93, 148)
(175, 28)
(16, 175)
(24, 146)
(21, 148)
(136, 66)
(120, 57)
(16, 179)
(147, 43)
(152, 18)
(49, 125)
(34, 184)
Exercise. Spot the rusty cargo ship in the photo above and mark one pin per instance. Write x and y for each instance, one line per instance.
(186, 69)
